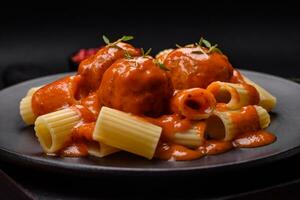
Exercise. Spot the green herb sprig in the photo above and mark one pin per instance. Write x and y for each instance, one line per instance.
(146, 53)
(114, 44)
(127, 55)
(161, 65)
(178, 46)
(205, 43)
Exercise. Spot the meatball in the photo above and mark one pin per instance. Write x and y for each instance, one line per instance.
(190, 68)
(93, 68)
(137, 85)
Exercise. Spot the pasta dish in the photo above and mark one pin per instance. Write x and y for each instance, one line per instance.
(182, 104)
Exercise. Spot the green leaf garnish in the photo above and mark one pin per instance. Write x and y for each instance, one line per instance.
(148, 52)
(127, 38)
(143, 52)
(127, 55)
(161, 65)
(200, 42)
(178, 46)
(114, 44)
(105, 39)
(206, 43)
(217, 50)
(212, 48)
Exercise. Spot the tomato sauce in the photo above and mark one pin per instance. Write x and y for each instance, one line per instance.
(254, 139)
(253, 94)
(237, 77)
(246, 120)
(78, 149)
(171, 124)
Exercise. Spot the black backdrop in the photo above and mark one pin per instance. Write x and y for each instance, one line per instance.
(36, 39)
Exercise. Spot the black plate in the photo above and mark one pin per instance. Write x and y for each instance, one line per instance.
(19, 145)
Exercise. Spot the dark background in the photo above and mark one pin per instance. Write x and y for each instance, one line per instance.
(37, 39)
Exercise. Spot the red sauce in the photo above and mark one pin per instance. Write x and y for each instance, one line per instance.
(254, 139)
(169, 151)
(171, 124)
(253, 94)
(236, 77)
(213, 147)
(83, 131)
(75, 150)
(246, 120)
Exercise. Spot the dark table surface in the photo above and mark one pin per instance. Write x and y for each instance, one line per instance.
(258, 36)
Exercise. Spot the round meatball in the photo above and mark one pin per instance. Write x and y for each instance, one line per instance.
(137, 85)
(92, 69)
(191, 68)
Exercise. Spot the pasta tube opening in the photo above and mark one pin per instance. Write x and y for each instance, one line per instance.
(54, 130)
(26, 111)
(215, 127)
(43, 132)
(226, 125)
(195, 103)
(233, 95)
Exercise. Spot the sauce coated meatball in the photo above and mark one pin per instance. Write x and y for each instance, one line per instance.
(136, 86)
(92, 69)
(190, 68)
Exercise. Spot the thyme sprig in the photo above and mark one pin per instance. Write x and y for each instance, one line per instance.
(206, 47)
(178, 46)
(124, 38)
(127, 55)
(161, 65)
(205, 43)
(146, 53)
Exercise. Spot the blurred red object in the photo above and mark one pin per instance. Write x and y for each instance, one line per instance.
(81, 55)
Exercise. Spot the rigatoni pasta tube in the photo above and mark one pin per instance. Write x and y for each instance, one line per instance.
(100, 150)
(267, 100)
(193, 137)
(195, 103)
(226, 125)
(234, 95)
(54, 130)
(26, 111)
(33, 90)
(127, 132)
